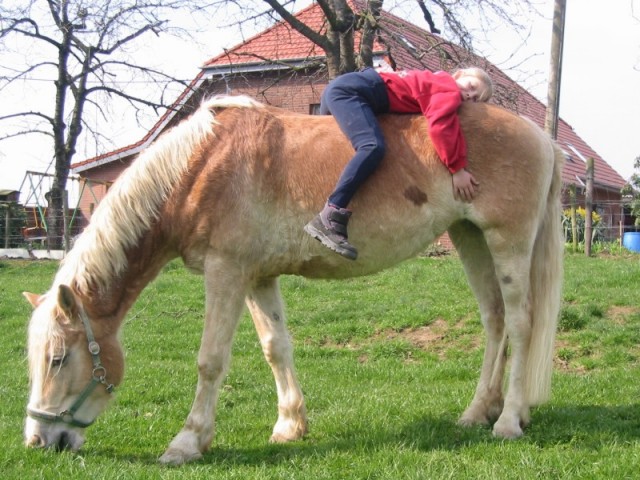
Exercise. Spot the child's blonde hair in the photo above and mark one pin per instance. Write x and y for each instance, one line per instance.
(484, 77)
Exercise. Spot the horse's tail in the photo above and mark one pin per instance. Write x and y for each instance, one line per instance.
(546, 290)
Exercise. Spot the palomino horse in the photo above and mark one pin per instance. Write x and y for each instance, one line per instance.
(229, 190)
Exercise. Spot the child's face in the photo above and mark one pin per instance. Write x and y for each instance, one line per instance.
(471, 87)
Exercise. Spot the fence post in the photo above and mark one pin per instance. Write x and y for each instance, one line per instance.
(574, 220)
(588, 207)
(620, 232)
(65, 223)
(7, 230)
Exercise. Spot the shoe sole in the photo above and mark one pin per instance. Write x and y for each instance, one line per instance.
(318, 235)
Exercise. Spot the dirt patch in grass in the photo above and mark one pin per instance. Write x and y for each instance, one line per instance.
(564, 357)
(425, 336)
(619, 314)
(438, 337)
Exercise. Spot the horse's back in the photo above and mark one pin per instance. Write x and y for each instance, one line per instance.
(268, 171)
(513, 160)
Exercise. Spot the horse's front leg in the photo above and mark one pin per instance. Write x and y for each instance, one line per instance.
(224, 303)
(265, 304)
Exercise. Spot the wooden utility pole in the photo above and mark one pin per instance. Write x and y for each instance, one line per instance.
(555, 70)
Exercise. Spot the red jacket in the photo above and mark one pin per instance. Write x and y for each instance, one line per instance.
(437, 97)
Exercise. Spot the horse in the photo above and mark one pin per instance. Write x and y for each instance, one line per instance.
(229, 190)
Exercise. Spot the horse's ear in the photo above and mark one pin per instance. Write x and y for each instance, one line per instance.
(67, 302)
(33, 298)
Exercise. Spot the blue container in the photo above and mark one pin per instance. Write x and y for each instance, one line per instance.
(631, 240)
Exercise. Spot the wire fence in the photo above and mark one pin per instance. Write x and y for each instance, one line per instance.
(611, 219)
(28, 227)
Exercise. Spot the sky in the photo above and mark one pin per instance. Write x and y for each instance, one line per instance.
(600, 88)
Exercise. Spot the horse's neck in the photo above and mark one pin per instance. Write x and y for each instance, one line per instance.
(110, 294)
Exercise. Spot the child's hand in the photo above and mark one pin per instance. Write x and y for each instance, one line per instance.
(463, 185)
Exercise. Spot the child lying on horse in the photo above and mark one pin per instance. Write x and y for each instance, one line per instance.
(355, 98)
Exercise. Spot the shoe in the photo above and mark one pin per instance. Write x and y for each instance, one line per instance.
(330, 228)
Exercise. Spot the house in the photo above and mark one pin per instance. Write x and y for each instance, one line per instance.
(281, 67)
(9, 196)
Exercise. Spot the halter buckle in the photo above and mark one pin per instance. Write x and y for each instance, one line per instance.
(94, 348)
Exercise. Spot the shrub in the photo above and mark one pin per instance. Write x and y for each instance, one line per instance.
(632, 192)
(581, 214)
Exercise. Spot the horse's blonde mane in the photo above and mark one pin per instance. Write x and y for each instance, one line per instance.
(46, 338)
(134, 201)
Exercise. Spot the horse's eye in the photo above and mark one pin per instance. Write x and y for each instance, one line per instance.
(58, 361)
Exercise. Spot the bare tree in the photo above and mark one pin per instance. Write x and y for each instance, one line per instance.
(344, 24)
(83, 50)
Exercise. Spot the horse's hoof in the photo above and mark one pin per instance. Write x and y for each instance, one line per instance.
(472, 421)
(507, 430)
(279, 438)
(282, 438)
(174, 456)
(287, 429)
(473, 416)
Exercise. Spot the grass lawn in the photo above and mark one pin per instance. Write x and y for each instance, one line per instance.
(387, 364)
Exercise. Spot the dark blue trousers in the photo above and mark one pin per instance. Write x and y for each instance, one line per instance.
(354, 99)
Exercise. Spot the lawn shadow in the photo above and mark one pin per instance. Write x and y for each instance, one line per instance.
(425, 434)
(589, 426)
(585, 426)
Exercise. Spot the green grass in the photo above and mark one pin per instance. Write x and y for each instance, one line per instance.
(387, 363)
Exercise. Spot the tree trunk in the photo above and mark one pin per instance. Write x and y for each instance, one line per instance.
(55, 222)
(369, 29)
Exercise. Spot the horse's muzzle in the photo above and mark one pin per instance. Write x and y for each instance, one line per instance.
(57, 437)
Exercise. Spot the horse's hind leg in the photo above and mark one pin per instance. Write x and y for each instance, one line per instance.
(476, 259)
(512, 260)
(224, 303)
(265, 304)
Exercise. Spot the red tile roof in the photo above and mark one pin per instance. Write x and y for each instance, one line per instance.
(281, 42)
(151, 135)
(401, 43)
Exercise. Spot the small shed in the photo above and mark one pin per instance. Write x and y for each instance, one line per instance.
(9, 196)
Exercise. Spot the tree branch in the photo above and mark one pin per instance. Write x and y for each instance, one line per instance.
(300, 27)
(8, 80)
(25, 132)
(132, 99)
(13, 28)
(26, 114)
(148, 70)
(427, 17)
(153, 27)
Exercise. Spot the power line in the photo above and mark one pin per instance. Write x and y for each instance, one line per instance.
(143, 82)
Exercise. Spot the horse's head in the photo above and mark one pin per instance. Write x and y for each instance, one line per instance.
(72, 370)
